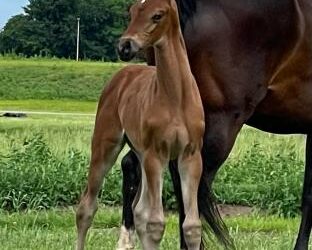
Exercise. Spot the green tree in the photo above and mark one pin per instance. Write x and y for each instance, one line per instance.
(102, 23)
(49, 27)
(22, 36)
(57, 18)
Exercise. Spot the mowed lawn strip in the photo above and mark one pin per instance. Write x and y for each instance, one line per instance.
(70, 106)
(55, 229)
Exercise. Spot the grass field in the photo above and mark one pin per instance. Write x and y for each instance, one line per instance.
(61, 132)
(55, 229)
(51, 79)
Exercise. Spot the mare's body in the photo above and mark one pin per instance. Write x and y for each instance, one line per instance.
(159, 111)
(252, 61)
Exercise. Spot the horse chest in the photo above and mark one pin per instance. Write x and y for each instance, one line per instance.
(170, 138)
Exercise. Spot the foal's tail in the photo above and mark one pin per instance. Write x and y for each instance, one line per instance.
(210, 216)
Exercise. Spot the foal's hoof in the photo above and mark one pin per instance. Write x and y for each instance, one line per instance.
(126, 239)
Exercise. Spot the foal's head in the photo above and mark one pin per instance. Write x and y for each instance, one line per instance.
(150, 20)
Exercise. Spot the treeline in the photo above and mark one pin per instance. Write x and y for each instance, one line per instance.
(49, 28)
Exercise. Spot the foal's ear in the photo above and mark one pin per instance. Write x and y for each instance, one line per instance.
(173, 4)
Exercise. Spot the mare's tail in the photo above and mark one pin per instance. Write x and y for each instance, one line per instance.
(210, 216)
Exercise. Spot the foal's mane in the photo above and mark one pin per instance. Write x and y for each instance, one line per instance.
(186, 10)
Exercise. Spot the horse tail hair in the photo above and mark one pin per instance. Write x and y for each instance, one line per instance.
(210, 216)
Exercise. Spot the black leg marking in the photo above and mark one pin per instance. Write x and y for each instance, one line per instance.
(131, 180)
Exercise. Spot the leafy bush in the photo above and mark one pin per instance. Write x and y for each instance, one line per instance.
(32, 177)
(264, 179)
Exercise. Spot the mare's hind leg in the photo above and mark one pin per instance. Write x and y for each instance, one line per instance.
(190, 170)
(148, 212)
(106, 144)
(306, 221)
(131, 180)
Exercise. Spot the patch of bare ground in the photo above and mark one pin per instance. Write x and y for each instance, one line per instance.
(234, 210)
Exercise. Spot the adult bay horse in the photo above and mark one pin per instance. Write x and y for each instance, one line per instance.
(252, 61)
(158, 111)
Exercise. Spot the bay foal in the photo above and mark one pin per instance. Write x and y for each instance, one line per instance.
(158, 110)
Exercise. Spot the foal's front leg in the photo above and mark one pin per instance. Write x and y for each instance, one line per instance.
(190, 170)
(148, 212)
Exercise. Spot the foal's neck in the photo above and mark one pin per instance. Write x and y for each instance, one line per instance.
(174, 76)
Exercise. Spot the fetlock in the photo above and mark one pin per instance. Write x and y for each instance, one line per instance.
(155, 230)
(192, 235)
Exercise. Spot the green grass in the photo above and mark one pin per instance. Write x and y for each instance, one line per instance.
(52, 79)
(61, 132)
(49, 106)
(55, 229)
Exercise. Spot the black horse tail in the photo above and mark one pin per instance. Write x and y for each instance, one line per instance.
(210, 216)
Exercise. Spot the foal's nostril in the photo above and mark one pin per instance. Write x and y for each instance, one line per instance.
(126, 49)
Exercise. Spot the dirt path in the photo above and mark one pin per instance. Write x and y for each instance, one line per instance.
(234, 210)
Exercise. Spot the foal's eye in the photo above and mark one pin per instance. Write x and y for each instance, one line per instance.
(156, 18)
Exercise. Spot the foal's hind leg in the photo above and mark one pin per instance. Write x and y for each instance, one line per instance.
(106, 144)
(174, 172)
(131, 171)
(306, 221)
(190, 170)
(148, 212)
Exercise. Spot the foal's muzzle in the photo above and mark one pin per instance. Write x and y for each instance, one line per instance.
(127, 49)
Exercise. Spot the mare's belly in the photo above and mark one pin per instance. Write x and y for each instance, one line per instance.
(287, 108)
(292, 101)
